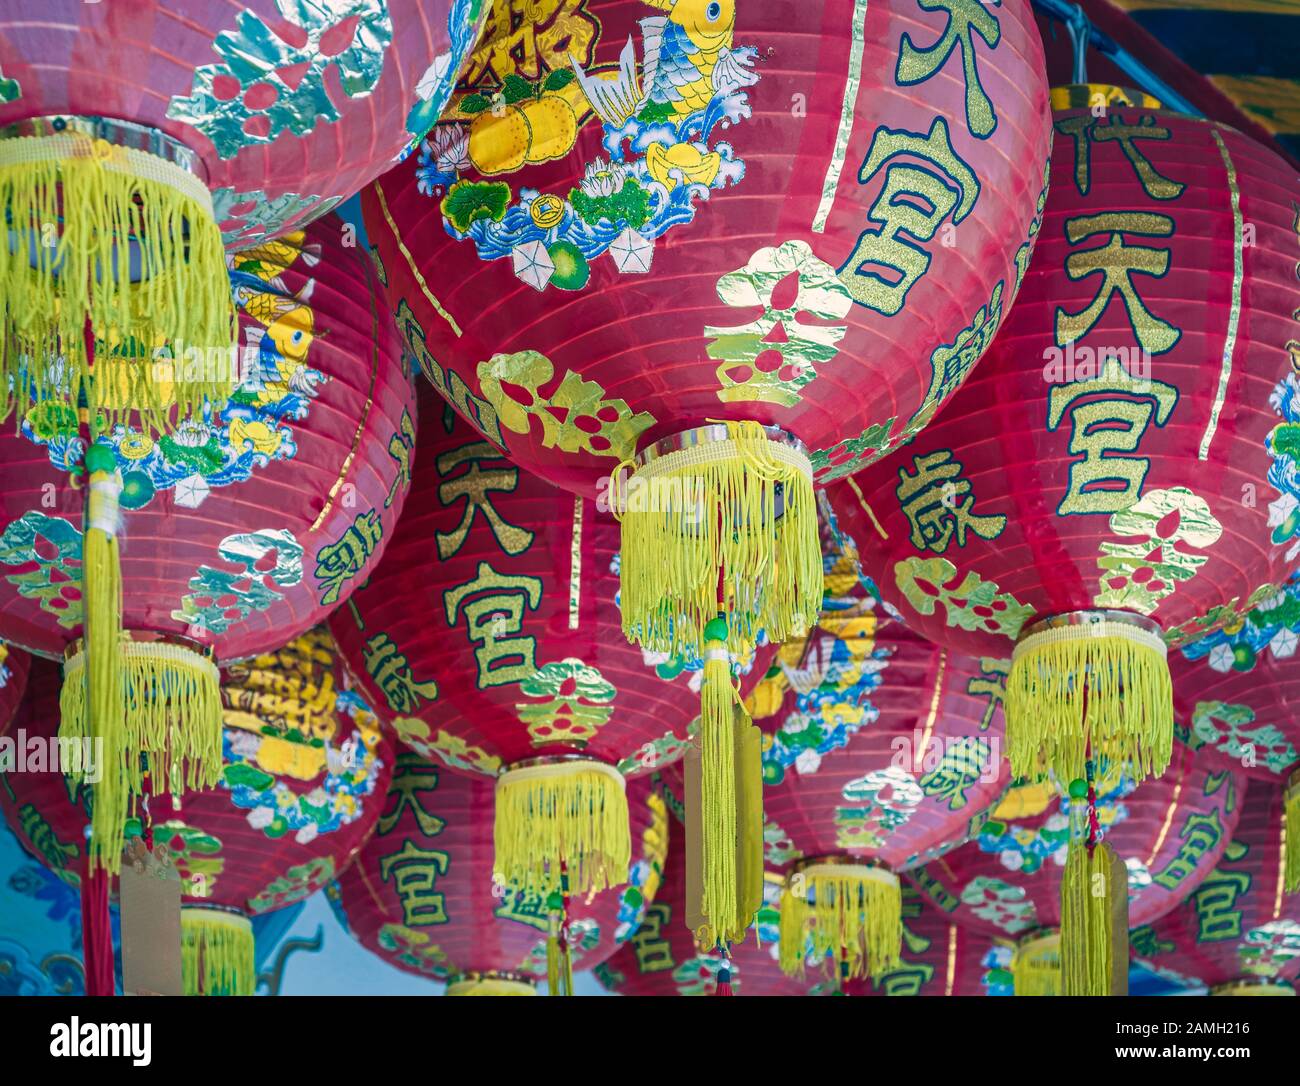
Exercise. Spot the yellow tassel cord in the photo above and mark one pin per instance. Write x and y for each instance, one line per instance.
(1104, 682)
(490, 984)
(559, 962)
(851, 912)
(168, 710)
(1291, 831)
(562, 812)
(84, 212)
(694, 513)
(1088, 920)
(1036, 966)
(731, 809)
(217, 953)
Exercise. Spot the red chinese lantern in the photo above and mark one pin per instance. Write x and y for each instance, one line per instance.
(423, 895)
(13, 681)
(886, 760)
(663, 958)
(1089, 497)
(240, 529)
(305, 767)
(1239, 931)
(1235, 700)
(1013, 880)
(839, 200)
(489, 637)
(133, 137)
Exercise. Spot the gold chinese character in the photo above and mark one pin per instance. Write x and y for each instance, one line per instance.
(965, 19)
(475, 486)
(937, 501)
(493, 604)
(415, 874)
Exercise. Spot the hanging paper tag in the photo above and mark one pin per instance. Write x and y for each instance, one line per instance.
(1118, 924)
(150, 896)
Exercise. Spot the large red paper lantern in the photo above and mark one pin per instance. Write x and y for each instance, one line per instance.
(1100, 489)
(240, 530)
(889, 759)
(838, 201)
(423, 896)
(306, 766)
(489, 636)
(1008, 882)
(1239, 931)
(135, 139)
(663, 958)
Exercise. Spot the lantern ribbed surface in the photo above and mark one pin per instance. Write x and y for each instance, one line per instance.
(1239, 924)
(1119, 463)
(1169, 832)
(892, 758)
(287, 107)
(702, 216)
(422, 895)
(1236, 691)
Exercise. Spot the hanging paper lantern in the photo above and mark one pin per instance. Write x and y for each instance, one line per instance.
(489, 637)
(423, 895)
(305, 769)
(887, 760)
(663, 958)
(1014, 879)
(839, 200)
(1239, 931)
(1089, 497)
(239, 531)
(132, 138)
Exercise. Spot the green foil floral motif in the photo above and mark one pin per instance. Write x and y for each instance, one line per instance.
(1138, 576)
(53, 546)
(974, 604)
(575, 418)
(243, 589)
(774, 356)
(265, 86)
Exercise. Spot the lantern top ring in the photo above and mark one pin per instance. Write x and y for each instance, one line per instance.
(842, 864)
(146, 643)
(707, 435)
(229, 913)
(1254, 986)
(555, 765)
(115, 132)
(1079, 625)
(477, 976)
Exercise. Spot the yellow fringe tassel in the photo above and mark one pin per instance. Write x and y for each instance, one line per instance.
(168, 711)
(489, 984)
(1076, 683)
(1036, 966)
(1094, 897)
(1291, 832)
(217, 953)
(850, 912)
(562, 812)
(707, 509)
(79, 206)
(559, 967)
